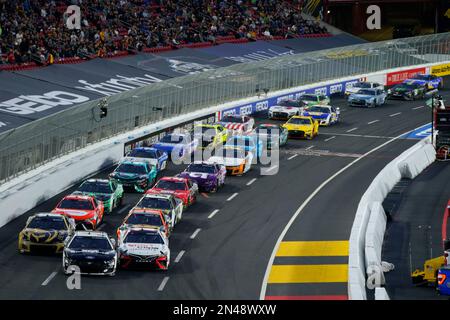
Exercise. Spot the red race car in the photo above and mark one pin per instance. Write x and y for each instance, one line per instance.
(85, 210)
(182, 188)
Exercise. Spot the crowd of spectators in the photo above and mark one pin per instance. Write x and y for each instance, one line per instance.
(36, 30)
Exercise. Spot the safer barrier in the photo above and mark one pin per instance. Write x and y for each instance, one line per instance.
(366, 238)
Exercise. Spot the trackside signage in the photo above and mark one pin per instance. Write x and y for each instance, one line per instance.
(441, 70)
(400, 76)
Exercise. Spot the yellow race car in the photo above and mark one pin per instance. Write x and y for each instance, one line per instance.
(302, 127)
(210, 135)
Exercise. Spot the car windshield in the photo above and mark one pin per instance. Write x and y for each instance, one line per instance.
(47, 223)
(90, 243)
(240, 142)
(203, 168)
(154, 203)
(288, 103)
(318, 109)
(309, 97)
(299, 121)
(143, 237)
(362, 85)
(232, 119)
(131, 168)
(171, 185)
(367, 92)
(149, 219)
(170, 138)
(95, 187)
(140, 153)
(231, 153)
(77, 204)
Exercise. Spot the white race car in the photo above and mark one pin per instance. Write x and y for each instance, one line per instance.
(363, 85)
(285, 109)
(144, 247)
(171, 206)
(237, 124)
(237, 161)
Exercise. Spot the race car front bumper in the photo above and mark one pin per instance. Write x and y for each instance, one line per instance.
(235, 170)
(137, 261)
(26, 246)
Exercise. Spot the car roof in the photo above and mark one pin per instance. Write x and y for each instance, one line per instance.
(158, 195)
(133, 162)
(146, 229)
(145, 149)
(78, 197)
(48, 214)
(301, 117)
(145, 211)
(91, 234)
(97, 181)
(173, 179)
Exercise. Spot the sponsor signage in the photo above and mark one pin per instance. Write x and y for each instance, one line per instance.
(400, 76)
(441, 70)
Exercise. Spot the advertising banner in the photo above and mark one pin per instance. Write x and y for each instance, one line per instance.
(441, 70)
(400, 76)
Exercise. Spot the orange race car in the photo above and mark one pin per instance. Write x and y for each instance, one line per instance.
(145, 218)
(85, 210)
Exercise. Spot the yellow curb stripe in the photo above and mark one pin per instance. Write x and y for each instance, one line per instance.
(308, 273)
(312, 248)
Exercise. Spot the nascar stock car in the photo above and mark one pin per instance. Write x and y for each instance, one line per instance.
(182, 188)
(155, 157)
(325, 115)
(313, 99)
(210, 135)
(363, 85)
(45, 232)
(148, 218)
(367, 98)
(237, 161)
(302, 127)
(135, 175)
(285, 109)
(93, 253)
(107, 191)
(177, 145)
(237, 124)
(271, 135)
(85, 210)
(171, 206)
(248, 143)
(144, 247)
(407, 91)
(207, 175)
(428, 80)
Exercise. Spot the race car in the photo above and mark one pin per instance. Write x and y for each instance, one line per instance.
(237, 161)
(182, 188)
(144, 247)
(302, 127)
(314, 99)
(237, 124)
(363, 85)
(248, 143)
(85, 210)
(367, 98)
(407, 91)
(93, 253)
(107, 191)
(325, 115)
(155, 157)
(135, 175)
(428, 80)
(177, 145)
(171, 206)
(285, 109)
(45, 232)
(148, 218)
(271, 135)
(210, 135)
(208, 176)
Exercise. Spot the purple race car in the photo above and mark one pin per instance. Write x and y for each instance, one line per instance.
(208, 176)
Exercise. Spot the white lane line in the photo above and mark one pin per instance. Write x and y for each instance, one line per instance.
(179, 256)
(330, 138)
(420, 107)
(50, 277)
(213, 214)
(395, 114)
(292, 157)
(351, 130)
(272, 168)
(195, 233)
(251, 182)
(232, 196)
(306, 202)
(124, 209)
(309, 148)
(163, 283)
(372, 122)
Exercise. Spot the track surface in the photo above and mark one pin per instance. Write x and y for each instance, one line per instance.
(228, 257)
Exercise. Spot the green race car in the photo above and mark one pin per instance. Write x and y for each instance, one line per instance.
(108, 191)
(314, 99)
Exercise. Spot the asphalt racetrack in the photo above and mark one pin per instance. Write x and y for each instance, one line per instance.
(225, 254)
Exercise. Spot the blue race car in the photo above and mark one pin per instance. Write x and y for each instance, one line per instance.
(443, 281)
(153, 156)
(367, 98)
(177, 144)
(325, 115)
(430, 81)
(137, 175)
(248, 143)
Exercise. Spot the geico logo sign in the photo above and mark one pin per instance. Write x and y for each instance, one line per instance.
(350, 84)
(336, 88)
(322, 90)
(262, 105)
(299, 94)
(283, 98)
(24, 105)
(245, 109)
(229, 112)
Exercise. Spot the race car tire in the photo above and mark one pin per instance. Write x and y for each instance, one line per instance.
(373, 105)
